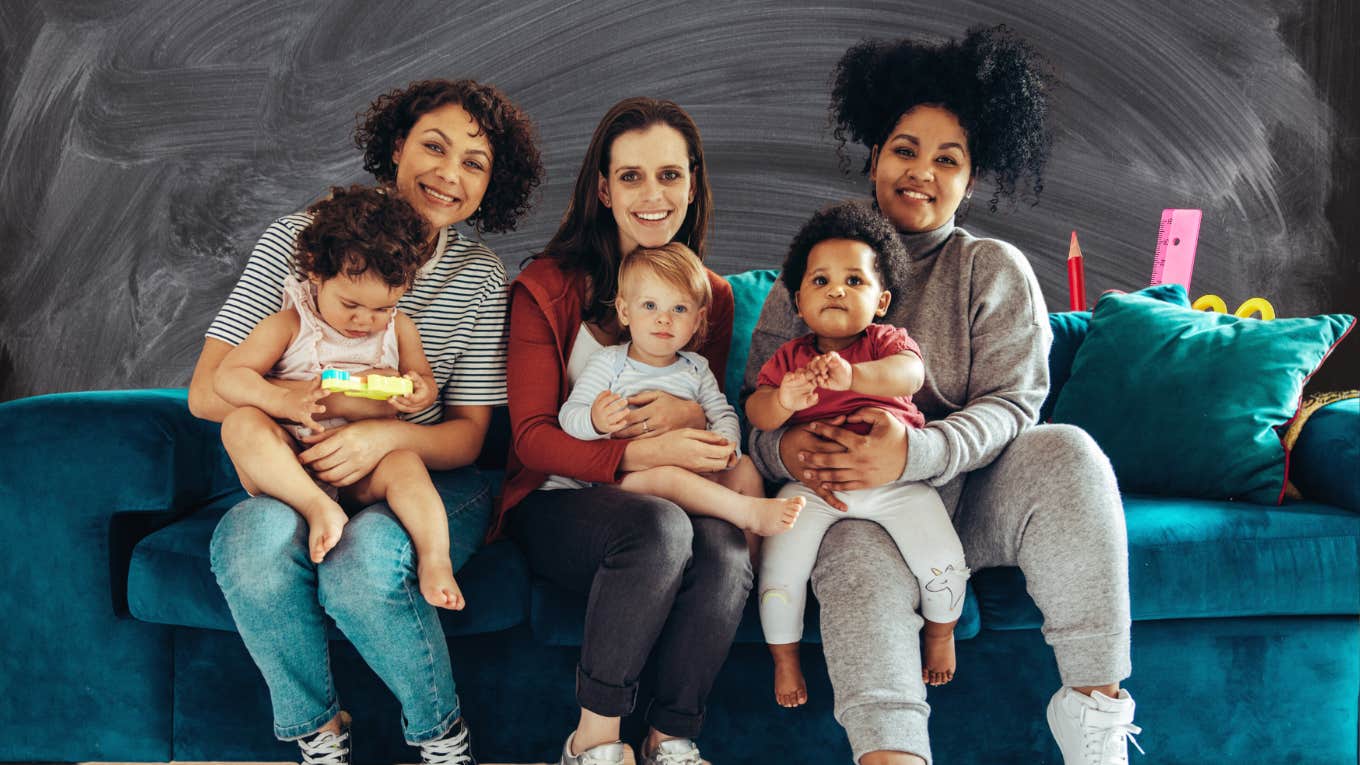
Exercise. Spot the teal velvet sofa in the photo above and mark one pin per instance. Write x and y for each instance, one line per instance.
(117, 644)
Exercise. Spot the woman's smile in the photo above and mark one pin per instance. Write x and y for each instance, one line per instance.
(649, 186)
(923, 171)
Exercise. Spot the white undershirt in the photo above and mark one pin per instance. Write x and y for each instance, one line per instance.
(585, 346)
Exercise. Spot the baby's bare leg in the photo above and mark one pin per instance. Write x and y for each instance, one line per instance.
(937, 652)
(402, 480)
(266, 462)
(699, 495)
(790, 689)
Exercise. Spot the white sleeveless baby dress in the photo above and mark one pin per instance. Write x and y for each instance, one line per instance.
(318, 345)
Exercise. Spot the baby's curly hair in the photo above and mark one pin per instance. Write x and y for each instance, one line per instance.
(362, 230)
(846, 220)
(516, 167)
(993, 81)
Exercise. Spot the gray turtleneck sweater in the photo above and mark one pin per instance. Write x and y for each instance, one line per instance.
(975, 308)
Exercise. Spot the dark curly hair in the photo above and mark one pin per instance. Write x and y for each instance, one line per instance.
(516, 168)
(992, 80)
(362, 230)
(846, 220)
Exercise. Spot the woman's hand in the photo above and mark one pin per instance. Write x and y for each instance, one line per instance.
(656, 412)
(873, 459)
(699, 451)
(342, 455)
(829, 458)
(800, 441)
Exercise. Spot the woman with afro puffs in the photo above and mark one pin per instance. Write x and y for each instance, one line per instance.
(937, 118)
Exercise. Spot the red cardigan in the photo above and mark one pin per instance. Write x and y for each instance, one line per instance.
(545, 316)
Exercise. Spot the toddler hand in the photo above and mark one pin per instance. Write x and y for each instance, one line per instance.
(797, 391)
(609, 413)
(300, 404)
(831, 371)
(421, 396)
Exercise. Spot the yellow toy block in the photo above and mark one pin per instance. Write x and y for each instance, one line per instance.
(380, 387)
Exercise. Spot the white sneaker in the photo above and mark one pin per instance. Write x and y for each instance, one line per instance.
(1093, 730)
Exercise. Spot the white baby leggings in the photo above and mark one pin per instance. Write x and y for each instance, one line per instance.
(911, 513)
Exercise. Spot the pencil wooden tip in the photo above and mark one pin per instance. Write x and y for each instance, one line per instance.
(1074, 249)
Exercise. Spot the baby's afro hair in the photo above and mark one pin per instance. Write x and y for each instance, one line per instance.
(992, 80)
(852, 220)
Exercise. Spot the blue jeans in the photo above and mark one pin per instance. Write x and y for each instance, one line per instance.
(367, 584)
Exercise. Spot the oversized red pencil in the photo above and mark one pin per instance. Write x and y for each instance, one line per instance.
(1076, 277)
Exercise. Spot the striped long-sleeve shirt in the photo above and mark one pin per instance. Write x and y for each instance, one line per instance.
(610, 369)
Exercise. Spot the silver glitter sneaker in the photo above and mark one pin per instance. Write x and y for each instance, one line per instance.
(604, 754)
(676, 751)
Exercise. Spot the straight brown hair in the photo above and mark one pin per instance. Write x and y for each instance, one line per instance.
(587, 240)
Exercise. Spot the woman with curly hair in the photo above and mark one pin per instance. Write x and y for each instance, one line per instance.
(661, 583)
(455, 151)
(937, 118)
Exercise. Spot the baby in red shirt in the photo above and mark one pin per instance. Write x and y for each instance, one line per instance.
(836, 272)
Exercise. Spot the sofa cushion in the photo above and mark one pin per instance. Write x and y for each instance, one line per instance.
(1189, 403)
(1196, 558)
(1069, 329)
(1325, 463)
(558, 617)
(749, 289)
(170, 582)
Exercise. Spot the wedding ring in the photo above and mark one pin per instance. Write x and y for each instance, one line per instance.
(645, 427)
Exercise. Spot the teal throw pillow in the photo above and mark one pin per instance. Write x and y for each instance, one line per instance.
(749, 290)
(1070, 328)
(1191, 403)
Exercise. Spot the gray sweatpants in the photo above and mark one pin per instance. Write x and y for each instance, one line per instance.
(1048, 504)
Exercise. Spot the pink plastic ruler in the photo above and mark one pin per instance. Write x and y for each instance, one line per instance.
(1176, 240)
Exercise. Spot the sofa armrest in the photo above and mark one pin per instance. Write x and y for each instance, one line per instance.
(69, 464)
(1325, 462)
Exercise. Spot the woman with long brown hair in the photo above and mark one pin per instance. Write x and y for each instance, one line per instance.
(661, 584)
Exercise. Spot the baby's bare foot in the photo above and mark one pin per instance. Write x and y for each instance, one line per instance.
(438, 586)
(790, 689)
(937, 661)
(767, 517)
(325, 520)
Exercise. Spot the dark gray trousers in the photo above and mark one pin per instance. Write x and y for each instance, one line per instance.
(659, 583)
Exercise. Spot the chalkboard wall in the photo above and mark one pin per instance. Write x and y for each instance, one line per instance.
(147, 143)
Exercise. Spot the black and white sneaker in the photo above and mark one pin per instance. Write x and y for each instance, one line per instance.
(327, 748)
(455, 748)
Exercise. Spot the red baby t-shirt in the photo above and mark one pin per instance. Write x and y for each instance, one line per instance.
(878, 342)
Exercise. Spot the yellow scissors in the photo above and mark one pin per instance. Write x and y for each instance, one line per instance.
(1256, 305)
